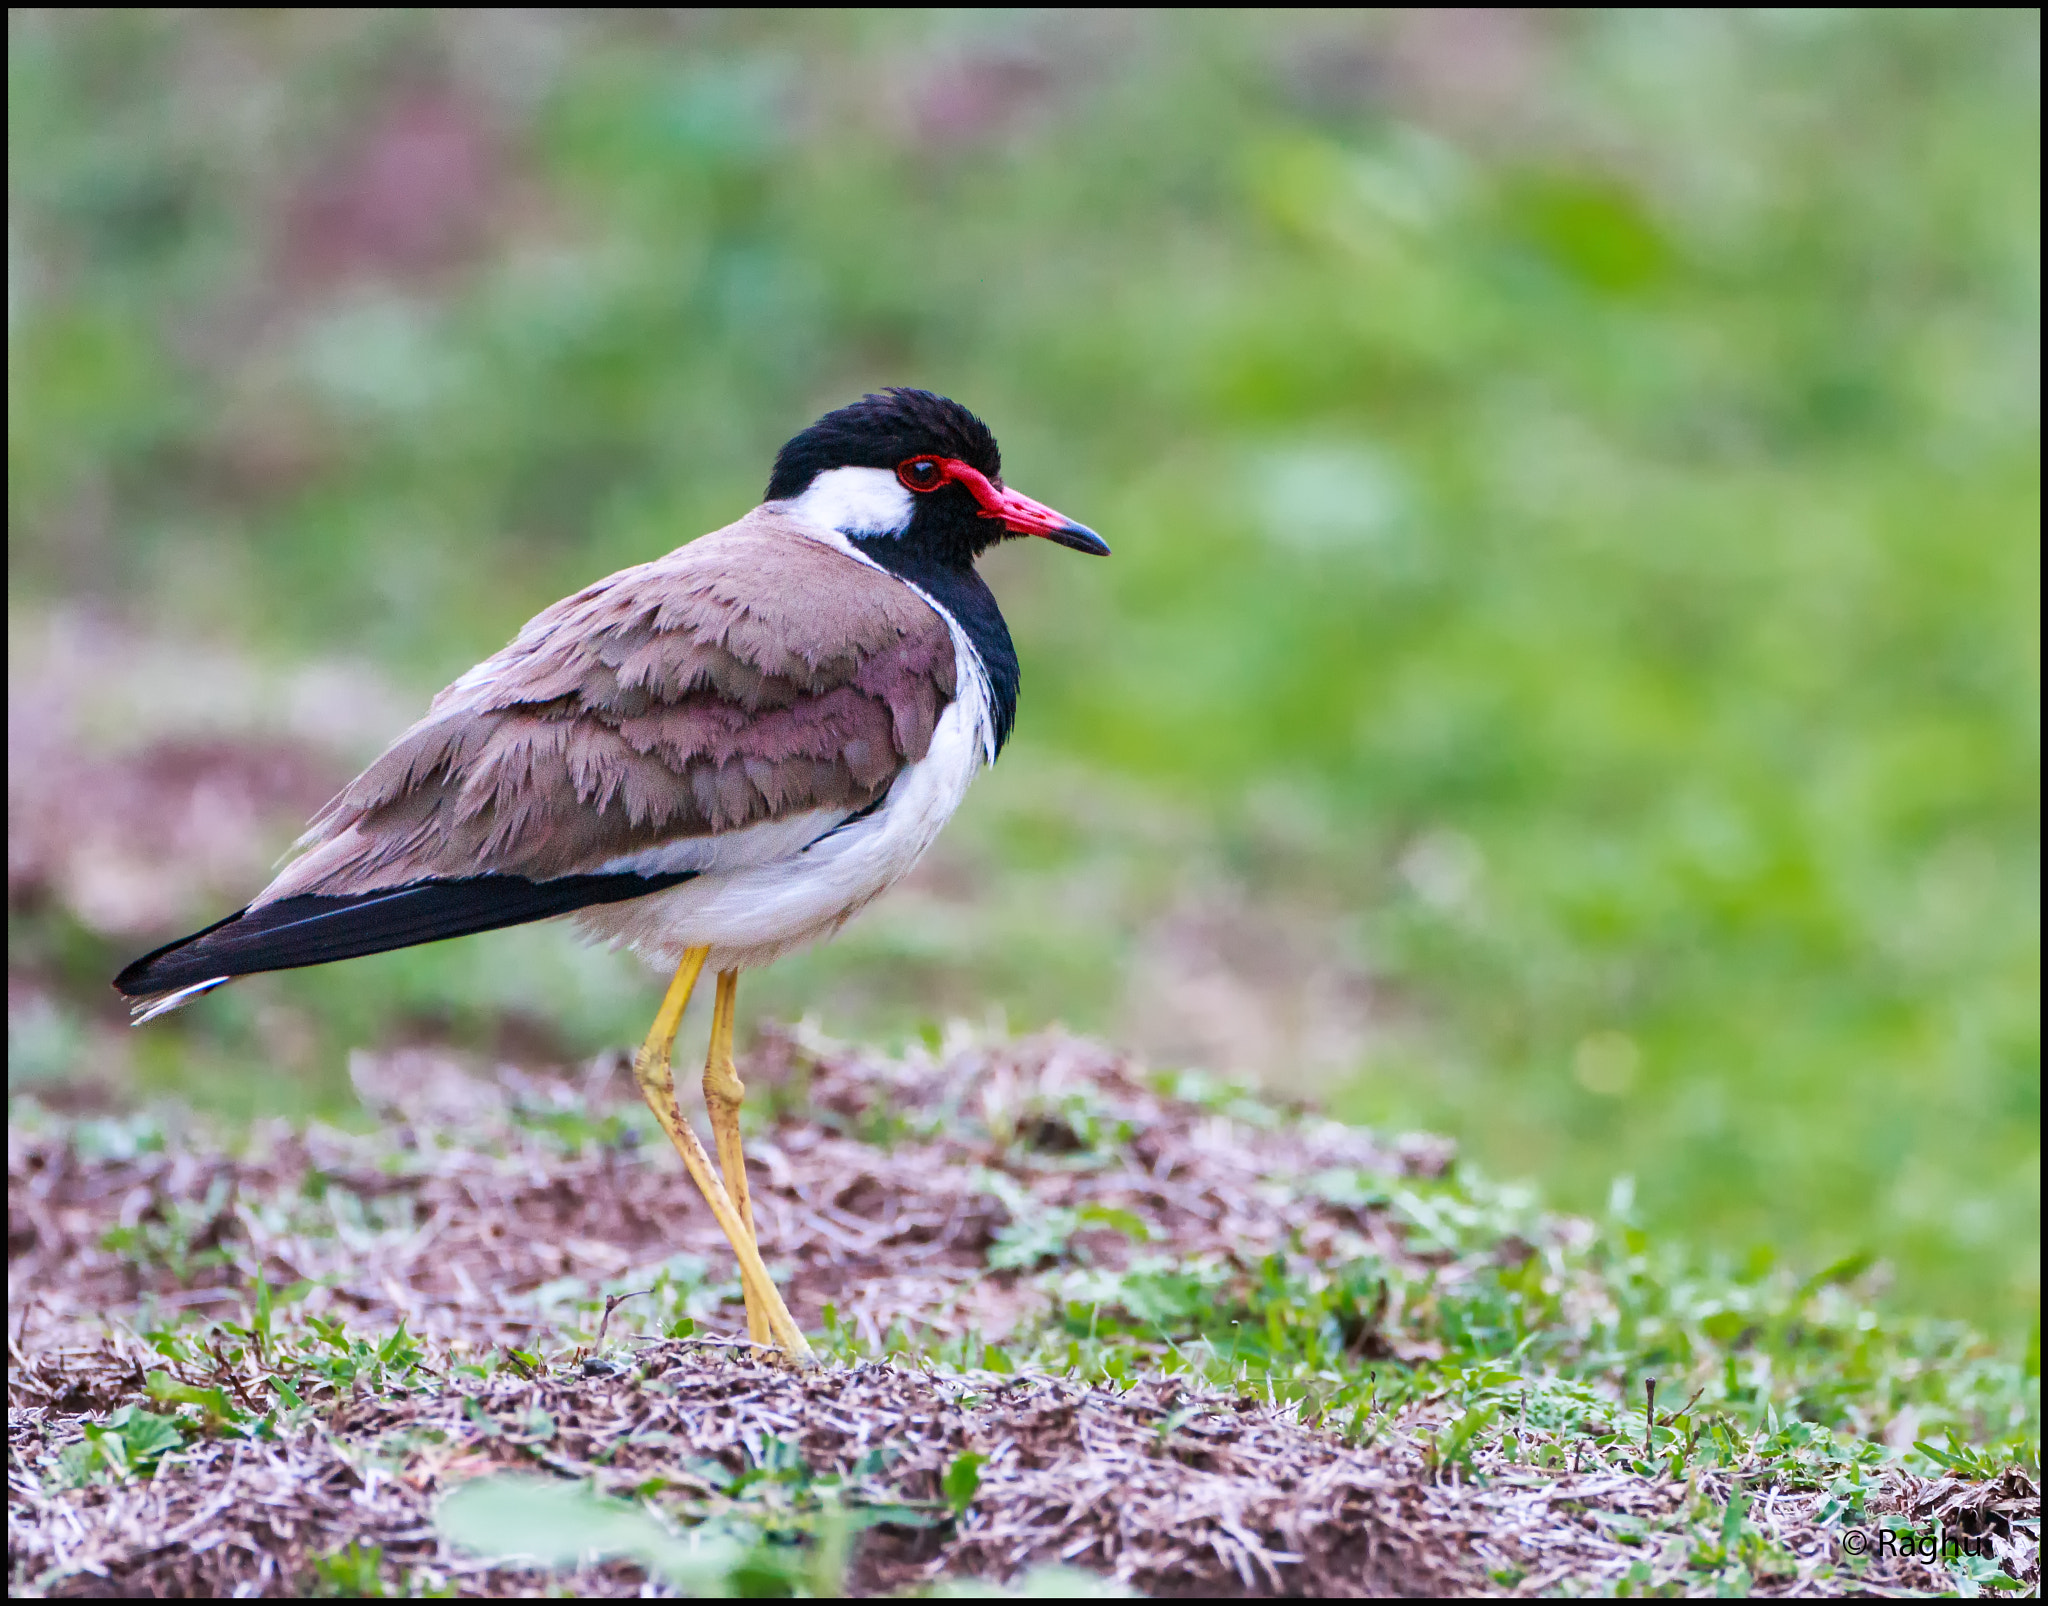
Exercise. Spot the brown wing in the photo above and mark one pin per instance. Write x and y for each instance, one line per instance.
(753, 674)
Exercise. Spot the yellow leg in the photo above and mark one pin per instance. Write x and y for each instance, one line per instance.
(724, 1092)
(651, 1069)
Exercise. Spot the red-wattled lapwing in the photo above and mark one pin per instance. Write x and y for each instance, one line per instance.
(712, 758)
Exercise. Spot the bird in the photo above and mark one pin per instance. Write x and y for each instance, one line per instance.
(711, 759)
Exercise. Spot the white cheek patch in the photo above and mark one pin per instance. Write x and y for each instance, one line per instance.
(855, 501)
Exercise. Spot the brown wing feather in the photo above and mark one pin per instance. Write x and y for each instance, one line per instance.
(753, 674)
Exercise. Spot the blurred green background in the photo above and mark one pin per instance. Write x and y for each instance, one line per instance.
(1567, 678)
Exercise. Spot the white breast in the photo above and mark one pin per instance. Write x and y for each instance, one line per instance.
(770, 888)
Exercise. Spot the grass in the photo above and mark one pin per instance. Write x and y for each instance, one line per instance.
(1575, 517)
(1717, 1428)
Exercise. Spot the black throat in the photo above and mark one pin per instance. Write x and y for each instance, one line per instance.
(937, 568)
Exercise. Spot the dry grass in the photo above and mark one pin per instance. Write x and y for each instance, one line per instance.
(490, 1200)
(488, 1213)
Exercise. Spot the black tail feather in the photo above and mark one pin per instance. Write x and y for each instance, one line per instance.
(313, 930)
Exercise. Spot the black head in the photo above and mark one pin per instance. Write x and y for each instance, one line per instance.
(880, 431)
(913, 482)
(913, 479)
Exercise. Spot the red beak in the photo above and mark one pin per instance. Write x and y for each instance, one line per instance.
(1018, 512)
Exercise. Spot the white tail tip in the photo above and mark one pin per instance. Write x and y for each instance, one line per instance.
(149, 1008)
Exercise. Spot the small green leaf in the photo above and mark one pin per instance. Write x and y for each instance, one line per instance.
(355, 1570)
(1724, 1326)
(1939, 1456)
(1452, 1441)
(145, 1434)
(132, 1441)
(557, 1523)
(962, 1480)
(401, 1349)
(331, 1330)
(212, 1403)
(76, 1461)
(1731, 1519)
(1132, 1226)
(1845, 1270)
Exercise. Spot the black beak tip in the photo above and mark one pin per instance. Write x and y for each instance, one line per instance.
(1081, 539)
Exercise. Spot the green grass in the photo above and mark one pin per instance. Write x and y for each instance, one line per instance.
(1492, 1339)
(1575, 539)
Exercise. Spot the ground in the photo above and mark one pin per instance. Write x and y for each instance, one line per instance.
(1084, 1327)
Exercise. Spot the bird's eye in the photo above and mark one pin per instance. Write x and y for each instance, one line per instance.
(921, 473)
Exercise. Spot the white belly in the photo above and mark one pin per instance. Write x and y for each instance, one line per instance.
(762, 892)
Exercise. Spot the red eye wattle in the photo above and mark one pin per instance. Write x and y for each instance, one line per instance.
(921, 473)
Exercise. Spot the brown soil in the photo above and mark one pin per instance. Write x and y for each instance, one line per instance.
(881, 1185)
